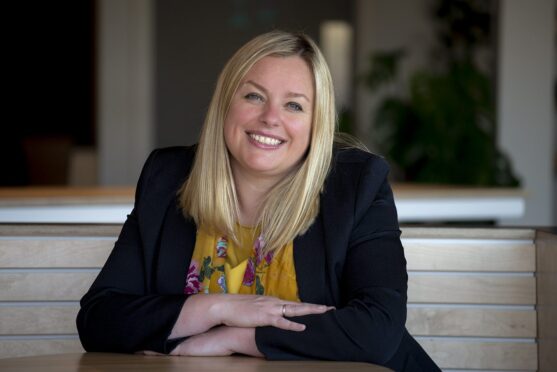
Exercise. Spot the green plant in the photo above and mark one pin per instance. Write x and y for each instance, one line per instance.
(443, 129)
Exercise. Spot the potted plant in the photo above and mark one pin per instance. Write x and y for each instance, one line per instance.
(442, 130)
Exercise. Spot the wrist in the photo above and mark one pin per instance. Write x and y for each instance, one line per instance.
(199, 313)
(216, 309)
(177, 350)
(242, 340)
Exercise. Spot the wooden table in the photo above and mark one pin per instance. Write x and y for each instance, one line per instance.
(124, 362)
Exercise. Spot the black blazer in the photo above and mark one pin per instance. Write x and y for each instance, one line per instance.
(351, 257)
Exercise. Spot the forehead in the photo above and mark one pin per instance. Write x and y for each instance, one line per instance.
(290, 73)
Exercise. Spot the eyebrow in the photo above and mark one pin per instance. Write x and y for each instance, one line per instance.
(290, 94)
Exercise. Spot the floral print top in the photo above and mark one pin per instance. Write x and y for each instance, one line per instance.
(219, 266)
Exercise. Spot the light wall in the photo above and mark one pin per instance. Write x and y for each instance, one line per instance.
(525, 101)
(124, 89)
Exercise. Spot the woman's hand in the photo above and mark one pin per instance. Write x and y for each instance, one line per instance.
(220, 341)
(202, 312)
(259, 311)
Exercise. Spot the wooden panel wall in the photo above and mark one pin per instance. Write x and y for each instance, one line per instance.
(44, 271)
(472, 292)
(472, 296)
(546, 244)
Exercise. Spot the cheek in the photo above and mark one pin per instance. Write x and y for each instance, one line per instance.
(302, 131)
(237, 117)
(227, 132)
(230, 126)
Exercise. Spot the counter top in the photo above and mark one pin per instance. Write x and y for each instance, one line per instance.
(415, 203)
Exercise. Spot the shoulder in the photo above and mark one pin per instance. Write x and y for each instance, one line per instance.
(357, 181)
(169, 161)
(351, 155)
(172, 156)
(166, 169)
(358, 165)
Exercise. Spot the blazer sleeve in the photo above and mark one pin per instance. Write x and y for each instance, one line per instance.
(368, 324)
(121, 312)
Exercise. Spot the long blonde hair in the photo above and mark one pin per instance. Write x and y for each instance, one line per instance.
(209, 196)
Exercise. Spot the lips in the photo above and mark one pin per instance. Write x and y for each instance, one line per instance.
(265, 140)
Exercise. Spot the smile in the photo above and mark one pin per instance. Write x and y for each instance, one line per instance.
(265, 140)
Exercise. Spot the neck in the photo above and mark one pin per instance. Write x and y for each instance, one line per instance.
(251, 192)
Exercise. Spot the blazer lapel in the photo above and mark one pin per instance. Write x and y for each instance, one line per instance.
(162, 176)
(177, 242)
(310, 264)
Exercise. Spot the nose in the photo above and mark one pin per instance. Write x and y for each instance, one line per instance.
(270, 115)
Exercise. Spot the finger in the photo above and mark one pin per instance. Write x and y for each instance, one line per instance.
(150, 353)
(310, 304)
(288, 325)
(304, 309)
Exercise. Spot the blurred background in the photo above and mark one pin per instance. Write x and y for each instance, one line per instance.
(450, 92)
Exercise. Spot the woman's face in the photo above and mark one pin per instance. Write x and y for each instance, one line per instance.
(267, 129)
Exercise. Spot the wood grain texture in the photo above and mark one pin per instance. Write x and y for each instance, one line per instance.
(480, 255)
(48, 319)
(463, 354)
(472, 289)
(20, 348)
(547, 300)
(427, 249)
(471, 322)
(124, 362)
(429, 321)
(417, 190)
(407, 232)
(47, 230)
(468, 233)
(66, 195)
(45, 286)
(55, 252)
(427, 255)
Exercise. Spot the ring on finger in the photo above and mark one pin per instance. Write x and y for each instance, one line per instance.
(284, 310)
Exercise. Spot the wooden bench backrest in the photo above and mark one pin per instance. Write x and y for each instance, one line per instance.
(472, 296)
(472, 292)
(44, 271)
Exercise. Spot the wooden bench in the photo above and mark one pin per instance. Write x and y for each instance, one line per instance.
(479, 299)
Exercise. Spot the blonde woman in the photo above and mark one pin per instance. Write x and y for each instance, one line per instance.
(265, 239)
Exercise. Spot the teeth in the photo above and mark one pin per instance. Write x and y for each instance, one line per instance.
(265, 140)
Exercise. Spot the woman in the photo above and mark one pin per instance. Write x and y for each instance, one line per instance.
(263, 239)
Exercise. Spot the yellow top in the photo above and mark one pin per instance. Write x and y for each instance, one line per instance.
(220, 266)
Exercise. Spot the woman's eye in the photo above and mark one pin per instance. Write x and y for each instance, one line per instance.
(253, 97)
(294, 106)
